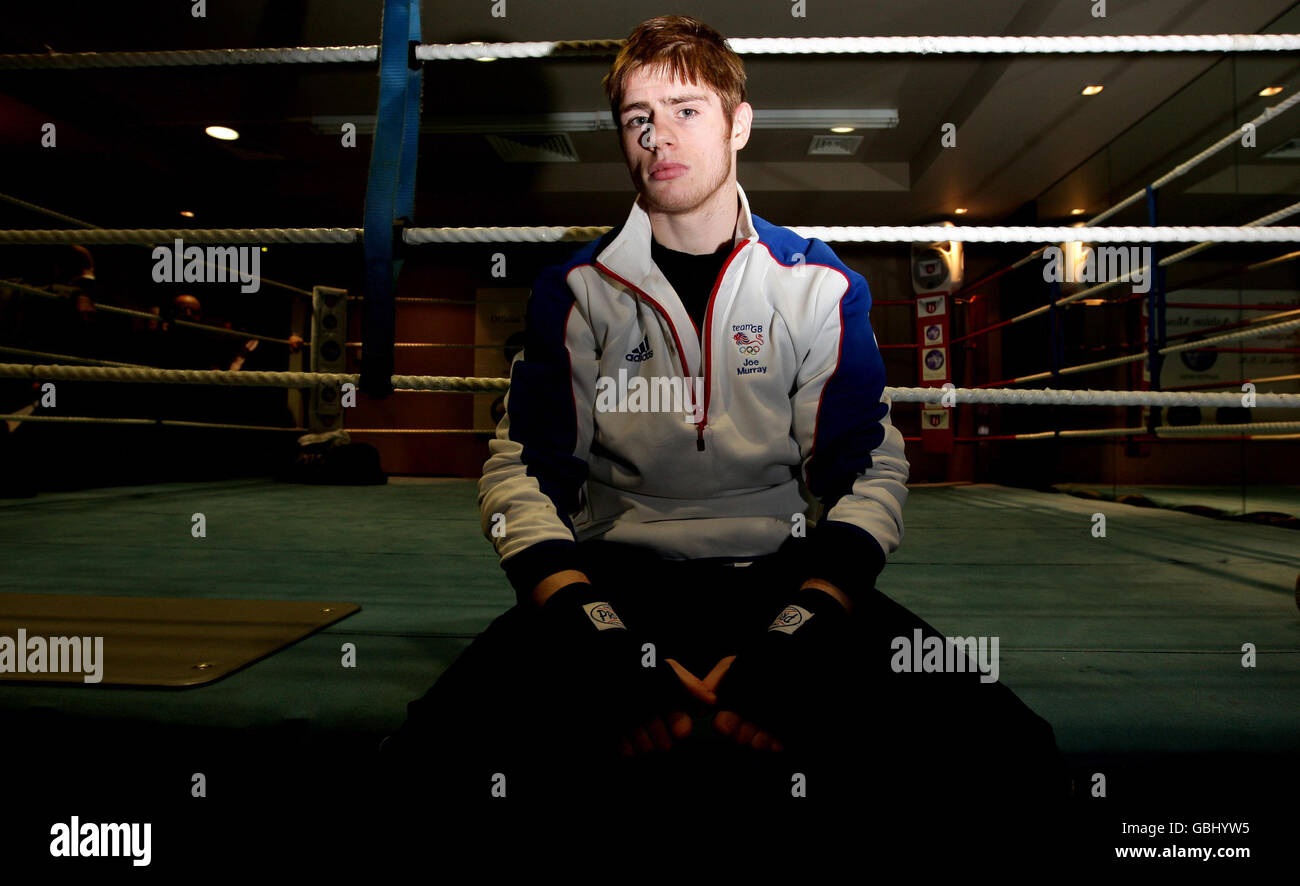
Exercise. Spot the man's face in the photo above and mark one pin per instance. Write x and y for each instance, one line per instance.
(689, 154)
(187, 308)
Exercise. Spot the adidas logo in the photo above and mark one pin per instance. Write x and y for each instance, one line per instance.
(641, 352)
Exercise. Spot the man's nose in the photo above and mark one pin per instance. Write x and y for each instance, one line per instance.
(656, 135)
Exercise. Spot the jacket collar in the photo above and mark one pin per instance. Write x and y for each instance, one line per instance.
(628, 255)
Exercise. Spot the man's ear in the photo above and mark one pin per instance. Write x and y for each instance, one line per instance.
(741, 123)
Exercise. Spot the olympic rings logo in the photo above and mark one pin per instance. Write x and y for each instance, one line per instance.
(749, 349)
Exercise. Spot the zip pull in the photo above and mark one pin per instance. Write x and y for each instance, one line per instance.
(699, 438)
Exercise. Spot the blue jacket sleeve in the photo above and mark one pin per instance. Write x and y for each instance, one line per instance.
(854, 463)
(532, 482)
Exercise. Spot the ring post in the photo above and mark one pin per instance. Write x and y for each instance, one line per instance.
(390, 190)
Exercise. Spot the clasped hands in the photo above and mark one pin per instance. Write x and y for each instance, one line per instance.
(757, 692)
(657, 735)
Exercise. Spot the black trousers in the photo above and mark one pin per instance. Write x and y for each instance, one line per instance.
(896, 744)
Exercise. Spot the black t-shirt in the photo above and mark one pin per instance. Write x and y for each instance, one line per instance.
(692, 276)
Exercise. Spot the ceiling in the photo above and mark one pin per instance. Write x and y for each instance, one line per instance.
(132, 153)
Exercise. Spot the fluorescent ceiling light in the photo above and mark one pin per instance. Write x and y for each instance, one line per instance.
(596, 121)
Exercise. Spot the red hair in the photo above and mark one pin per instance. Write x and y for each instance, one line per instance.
(688, 50)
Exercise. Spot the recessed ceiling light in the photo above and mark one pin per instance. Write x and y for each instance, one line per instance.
(1076, 211)
(185, 213)
(842, 129)
(1092, 90)
(225, 133)
(1093, 302)
(1270, 91)
(960, 210)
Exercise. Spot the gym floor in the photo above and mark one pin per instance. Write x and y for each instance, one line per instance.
(1130, 645)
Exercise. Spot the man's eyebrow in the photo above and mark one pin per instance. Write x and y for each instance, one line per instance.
(671, 100)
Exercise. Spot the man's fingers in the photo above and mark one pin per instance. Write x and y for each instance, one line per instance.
(693, 683)
(625, 747)
(659, 734)
(726, 722)
(719, 671)
(682, 673)
(679, 724)
(741, 731)
(641, 740)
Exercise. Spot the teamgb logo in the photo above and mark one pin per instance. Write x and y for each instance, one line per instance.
(748, 338)
(746, 344)
(641, 352)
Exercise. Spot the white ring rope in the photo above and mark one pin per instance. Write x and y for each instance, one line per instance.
(1230, 336)
(288, 55)
(1248, 427)
(1165, 262)
(877, 234)
(1170, 349)
(247, 378)
(42, 210)
(369, 53)
(96, 420)
(421, 236)
(1052, 234)
(63, 357)
(129, 312)
(1244, 428)
(428, 344)
(1015, 45)
(1045, 397)
(1232, 138)
(1055, 397)
(900, 234)
(166, 236)
(1177, 172)
(486, 431)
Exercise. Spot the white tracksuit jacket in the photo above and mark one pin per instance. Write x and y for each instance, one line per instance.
(792, 415)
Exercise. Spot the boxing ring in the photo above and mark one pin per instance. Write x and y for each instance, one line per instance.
(1101, 634)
